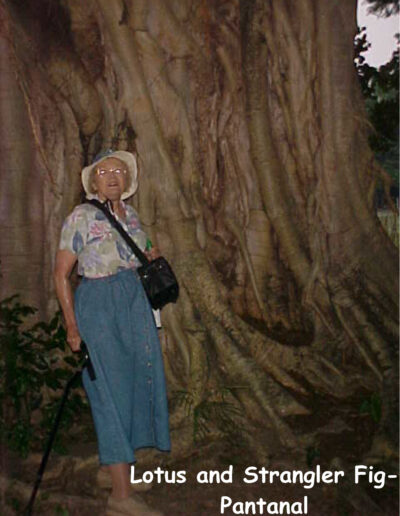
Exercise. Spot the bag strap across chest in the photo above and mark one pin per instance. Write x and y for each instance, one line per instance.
(114, 222)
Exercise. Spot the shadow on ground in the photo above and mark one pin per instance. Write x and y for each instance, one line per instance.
(69, 486)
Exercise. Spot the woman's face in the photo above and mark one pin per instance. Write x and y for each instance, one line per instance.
(110, 179)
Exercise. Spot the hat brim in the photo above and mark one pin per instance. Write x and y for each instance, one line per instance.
(128, 158)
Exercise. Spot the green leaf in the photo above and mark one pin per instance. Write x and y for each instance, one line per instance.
(62, 374)
(376, 408)
(53, 383)
(28, 364)
(71, 361)
(365, 407)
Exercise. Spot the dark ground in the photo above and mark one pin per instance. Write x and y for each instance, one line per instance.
(69, 488)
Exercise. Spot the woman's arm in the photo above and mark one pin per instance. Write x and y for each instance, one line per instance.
(65, 261)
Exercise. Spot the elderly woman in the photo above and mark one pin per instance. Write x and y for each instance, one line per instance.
(112, 315)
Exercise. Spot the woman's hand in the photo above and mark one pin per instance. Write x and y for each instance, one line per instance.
(73, 338)
(153, 253)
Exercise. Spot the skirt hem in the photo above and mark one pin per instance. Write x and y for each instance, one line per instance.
(108, 462)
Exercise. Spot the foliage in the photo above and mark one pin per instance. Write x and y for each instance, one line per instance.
(383, 7)
(373, 407)
(214, 411)
(33, 369)
(312, 454)
(380, 88)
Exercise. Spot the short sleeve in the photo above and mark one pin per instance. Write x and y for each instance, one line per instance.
(74, 232)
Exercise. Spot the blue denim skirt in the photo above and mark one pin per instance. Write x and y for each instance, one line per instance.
(128, 398)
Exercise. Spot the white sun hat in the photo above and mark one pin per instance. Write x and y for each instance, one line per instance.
(127, 157)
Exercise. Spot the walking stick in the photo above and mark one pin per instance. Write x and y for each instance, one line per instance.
(86, 363)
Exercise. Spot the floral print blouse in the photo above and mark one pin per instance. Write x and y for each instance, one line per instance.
(100, 249)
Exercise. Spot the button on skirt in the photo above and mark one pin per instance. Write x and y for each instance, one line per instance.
(128, 398)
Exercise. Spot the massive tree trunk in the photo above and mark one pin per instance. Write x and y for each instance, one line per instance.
(255, 182)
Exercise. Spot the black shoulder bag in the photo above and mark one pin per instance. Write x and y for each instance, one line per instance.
(158, 279)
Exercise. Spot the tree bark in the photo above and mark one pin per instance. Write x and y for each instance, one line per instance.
(254, 180)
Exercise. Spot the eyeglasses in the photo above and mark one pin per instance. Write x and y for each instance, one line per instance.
(102, 172)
